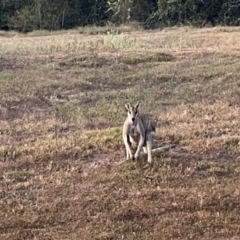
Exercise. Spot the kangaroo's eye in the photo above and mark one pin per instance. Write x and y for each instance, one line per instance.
(129, 112)
(136, 112)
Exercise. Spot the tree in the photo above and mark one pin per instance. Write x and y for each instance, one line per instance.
(28, 15)
(120, 10)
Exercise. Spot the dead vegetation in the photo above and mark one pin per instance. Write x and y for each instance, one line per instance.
(62, 168)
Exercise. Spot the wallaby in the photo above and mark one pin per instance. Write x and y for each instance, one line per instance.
(140, 129)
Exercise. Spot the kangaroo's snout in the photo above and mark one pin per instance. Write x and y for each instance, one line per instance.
(133, 119)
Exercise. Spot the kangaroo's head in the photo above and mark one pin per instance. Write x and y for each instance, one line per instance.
(132, 111)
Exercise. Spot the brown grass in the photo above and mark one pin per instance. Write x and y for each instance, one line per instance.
(63, 173)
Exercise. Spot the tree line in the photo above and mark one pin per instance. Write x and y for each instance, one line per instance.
(28, 15)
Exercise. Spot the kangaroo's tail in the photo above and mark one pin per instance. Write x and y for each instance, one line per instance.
(164, 148)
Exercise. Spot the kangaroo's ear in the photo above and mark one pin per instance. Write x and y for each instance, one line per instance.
(136, 106)
(127, 106)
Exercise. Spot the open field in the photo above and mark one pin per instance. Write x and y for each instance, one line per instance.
(63, 173)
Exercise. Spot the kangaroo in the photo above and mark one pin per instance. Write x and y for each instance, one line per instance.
(140, 129)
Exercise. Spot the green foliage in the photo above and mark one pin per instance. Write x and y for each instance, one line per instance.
(29, 15)
(24, 20)
(197, 12)
(121, 10)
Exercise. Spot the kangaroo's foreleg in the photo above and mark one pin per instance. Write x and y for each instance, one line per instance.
(128, 147)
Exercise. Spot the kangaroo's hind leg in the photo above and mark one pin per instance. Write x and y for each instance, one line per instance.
(149, 140)
(145, 146)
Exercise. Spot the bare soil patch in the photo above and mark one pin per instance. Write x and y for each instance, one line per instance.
(11, 63)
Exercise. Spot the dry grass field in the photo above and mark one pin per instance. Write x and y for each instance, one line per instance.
(63, 173)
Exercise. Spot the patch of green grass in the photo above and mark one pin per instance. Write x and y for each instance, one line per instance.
(110, 29)
(6, 77)
(41, 33)
(119, 42)
(103, 139)
(147, 58)
(65, 111)
(85, 62)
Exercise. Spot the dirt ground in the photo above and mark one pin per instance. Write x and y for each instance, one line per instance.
(63, 173)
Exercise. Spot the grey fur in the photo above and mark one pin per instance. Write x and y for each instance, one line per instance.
(140, 129)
